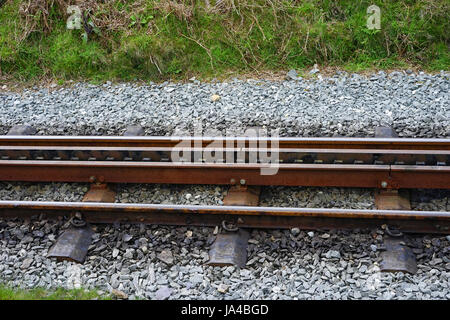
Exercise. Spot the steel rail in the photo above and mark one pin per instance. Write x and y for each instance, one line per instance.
(368, 176)
(224, 149)
(390, 163)
(283, 142)
(251, 217)
(339, 162)
(202, 173)
(192, 154)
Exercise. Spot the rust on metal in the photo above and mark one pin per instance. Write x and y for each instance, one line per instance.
(382, 162)
(397, 256)
(284, 142)
(387, 163)
(392, 200)
(229, 248)
(100, 192)
(243, 216)
(365, 176)
(285, 155)
(240, 195)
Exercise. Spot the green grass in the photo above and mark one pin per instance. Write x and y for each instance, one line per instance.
(159, 40)
(9, 293)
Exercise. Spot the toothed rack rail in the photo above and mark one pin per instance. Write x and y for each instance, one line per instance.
(385, 164)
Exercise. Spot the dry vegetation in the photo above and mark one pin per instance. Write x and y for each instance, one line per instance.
(179, 38)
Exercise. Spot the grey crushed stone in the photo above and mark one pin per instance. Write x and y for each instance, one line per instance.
(280, 265)
(416, 105)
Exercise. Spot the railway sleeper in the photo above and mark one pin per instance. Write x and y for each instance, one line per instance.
(230, 246)
(73, 244)
(396, 255)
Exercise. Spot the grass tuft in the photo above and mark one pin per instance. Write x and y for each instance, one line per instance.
(9, 293)
(168, 39)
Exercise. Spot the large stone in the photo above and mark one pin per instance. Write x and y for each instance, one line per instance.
(119, 294)
(22, 130)
(215, 97)
(292, 75)
(163, 293)
(166, 257)
(26, 263)
(223, 288)
(134, 131)
(333, 254)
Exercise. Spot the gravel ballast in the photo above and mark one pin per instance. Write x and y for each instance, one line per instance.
(140, 260)
(161, 262)
(416, 105)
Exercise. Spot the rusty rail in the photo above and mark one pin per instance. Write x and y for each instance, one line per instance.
(366, 176)
(245, 217)
(340, 162)
(284, 142)
(381, 163)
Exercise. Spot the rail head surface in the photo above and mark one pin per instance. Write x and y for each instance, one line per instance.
(282, 142)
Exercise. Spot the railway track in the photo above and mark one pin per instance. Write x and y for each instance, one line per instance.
(348, 162)
(389, 165)
(382, 163)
